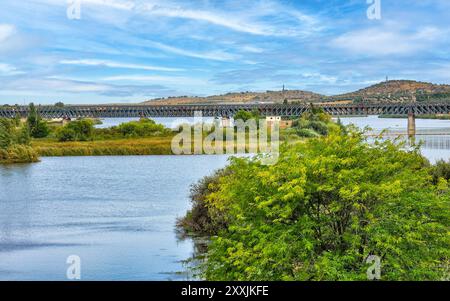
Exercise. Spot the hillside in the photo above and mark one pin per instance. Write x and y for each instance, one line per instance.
(388, 91)
(396, 91)
(243, 97)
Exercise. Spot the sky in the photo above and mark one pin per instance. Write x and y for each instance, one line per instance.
(114, 51)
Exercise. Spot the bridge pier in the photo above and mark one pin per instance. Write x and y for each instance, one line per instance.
(411, 125)
(225, 122)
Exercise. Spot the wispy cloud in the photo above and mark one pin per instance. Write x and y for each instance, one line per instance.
(217, 55)
(240, 20)
(44, 85)
(388, 41)
(6, 31)
(8, 70)
(156, 79)
(111, 64)
(227, 21)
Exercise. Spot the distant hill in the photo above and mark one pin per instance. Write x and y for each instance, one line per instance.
(396, 91)
(243, 97)
(388, 91)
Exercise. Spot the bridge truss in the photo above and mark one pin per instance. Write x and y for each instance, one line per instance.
(225, 110)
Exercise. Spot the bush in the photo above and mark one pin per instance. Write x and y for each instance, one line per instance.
(307, 133)
(204, 219)
(325, 207)
(313, 124)
(440, 170)
(141, 128)
(14, 143)
(66, 134)
(79, 130)
(319, 127)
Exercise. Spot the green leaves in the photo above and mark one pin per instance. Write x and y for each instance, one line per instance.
(324, 207)
(14, 143)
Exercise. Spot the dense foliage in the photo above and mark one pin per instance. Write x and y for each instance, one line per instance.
(423, 97)
(38, 127)
(204, 219)
(440, 170)
(246, 115)
(327, 205)
(84, 130)
(142, 128)
(133, 129)
(79, 130)
(14, 142)
(312, 124)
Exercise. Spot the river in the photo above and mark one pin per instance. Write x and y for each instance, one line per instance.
(117, 214)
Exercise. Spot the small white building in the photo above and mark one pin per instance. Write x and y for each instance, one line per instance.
(273, 118)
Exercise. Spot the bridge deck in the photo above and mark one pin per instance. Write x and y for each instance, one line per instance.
(105, 111)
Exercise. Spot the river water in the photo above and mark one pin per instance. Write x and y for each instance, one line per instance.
(117, 214)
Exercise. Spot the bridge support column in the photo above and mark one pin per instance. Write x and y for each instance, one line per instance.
(411, 125)
(226, 122)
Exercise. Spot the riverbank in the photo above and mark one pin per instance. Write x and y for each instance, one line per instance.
(117, 147)
(18, 154)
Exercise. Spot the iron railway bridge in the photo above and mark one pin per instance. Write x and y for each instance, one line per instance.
(223, 110)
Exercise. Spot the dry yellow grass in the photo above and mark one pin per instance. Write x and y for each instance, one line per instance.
(141, 146)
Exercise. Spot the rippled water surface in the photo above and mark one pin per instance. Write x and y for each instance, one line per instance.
(116, 213)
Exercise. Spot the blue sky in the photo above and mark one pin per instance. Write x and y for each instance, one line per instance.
(134, 50)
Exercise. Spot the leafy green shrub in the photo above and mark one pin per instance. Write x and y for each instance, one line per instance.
(66, 134)
(79, 130)
(202, 218)
(141, 128)
(440, 170)
(313, 124)
(245, 115)
(319, 127)
(323, 208)
(307, 133)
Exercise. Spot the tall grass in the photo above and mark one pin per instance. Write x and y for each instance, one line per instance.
(18, 153)
(124, 147)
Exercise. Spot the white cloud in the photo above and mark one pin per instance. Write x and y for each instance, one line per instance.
(111, 64)
(217, 55)
(156, 79)
(382, 41)
(8, 70)
(251, 19)
(6, 31)
(215, 18)
(252, 49)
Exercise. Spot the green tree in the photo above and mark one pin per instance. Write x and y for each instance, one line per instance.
(14, 143)
(79, 130)
(243, 115)
(142, 128)
(6, 133)
(38, 127)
